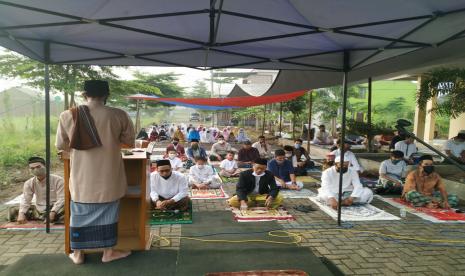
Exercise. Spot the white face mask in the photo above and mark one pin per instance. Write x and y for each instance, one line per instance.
(262, 174)
(288, 155)
(200, 166)
(171, 155)
(221, 141)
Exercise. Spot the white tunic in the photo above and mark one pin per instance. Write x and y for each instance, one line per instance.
(350, 183)
(261, 149)
(456, 148)
(228, 165)
(407, 149)
(176, 163)
(175, 187)
(203, 175)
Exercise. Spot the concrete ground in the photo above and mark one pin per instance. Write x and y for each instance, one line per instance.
(361, 249)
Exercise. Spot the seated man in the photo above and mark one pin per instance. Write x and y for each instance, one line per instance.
(408, 147)
(352, 190)
(291, 156)
(229, 166)
(283, 171)
(36, 186)
(424, 187)
(391, 173)
(348, 155)
(168, 189)
(256, 187)
(455, 147)
(195, 150)
(142, 135)
(175, 162)
(247, 155)
(219, 149)
(263, 147)
(303, 159)
(322, 137)
(178, 149)
(202, 176)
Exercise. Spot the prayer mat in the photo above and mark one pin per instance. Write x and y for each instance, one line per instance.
(214, 163)
(31, 225)
(369, 182)
(438, 215)
(261, 273)
(162, 217)
(207, 193)
(225, 179)
(356, 212)
(261, 214)
(303, 193)
(17, 200)
(307, 179)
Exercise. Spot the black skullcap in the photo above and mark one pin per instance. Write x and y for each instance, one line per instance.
(36, 159)
(163, 162)
(261, 161)
(194, 140)
(247, 142)
(426, 157)
(96, 88)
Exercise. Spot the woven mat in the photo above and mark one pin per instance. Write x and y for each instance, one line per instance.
(261, 214)
(207, 193)
(31, 225)
(159, 217)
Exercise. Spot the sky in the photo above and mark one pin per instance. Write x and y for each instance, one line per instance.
(186, 78)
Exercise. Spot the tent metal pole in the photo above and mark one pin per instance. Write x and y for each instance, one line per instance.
(343, 132)
(369, 134)
(264, 119)
(280, 118)
(47, 135)
(310, 104)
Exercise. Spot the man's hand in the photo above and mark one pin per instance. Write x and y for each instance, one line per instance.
(431, 205)
(202, 186)
(333, 203)
(348, 201)
(269, 201)
(300, 164)
(282, 183)
(159, 204)
(51, 216)
(244, 205)
(63, 155)
(445, 205)
(21, 218)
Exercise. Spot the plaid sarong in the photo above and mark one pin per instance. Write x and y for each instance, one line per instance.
(419, 200)
(94, 225)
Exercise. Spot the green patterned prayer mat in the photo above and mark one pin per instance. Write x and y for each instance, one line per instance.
(161, 217)
(225, 179)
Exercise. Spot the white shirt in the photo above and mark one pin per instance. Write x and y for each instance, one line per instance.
(38, 188)
(330, 183)
(407, 149)
(321, 137)
(175, 187)
(204, 175)
(228, 165)
(261, 149)
(257, 185)
(349, 156)
(176, 163)
(456, 148)
(397, 171)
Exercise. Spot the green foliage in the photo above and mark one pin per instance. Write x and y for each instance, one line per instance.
(200, 90)
(363, 128)
(166, 83)
(63, 78)
(447, 83)
(121, 89)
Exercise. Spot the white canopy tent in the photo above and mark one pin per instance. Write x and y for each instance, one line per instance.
(327, 38)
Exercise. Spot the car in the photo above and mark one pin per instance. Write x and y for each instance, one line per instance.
(194, 117)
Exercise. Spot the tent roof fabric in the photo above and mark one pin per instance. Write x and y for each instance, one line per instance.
(293, 34)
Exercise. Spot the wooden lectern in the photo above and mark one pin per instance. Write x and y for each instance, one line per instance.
(133, 227)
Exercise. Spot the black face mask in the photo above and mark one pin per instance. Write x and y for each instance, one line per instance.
(166, 177)
(428, 169)
(344, 169)
(175, 143)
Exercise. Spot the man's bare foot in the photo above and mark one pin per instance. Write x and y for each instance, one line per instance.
(113, 255)
(77, 257)
(431, 205)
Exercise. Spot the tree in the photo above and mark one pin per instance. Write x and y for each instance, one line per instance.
(447, 83)
(200, 90)
(63, 78)
(219, 78)
(165, 82)
(296, 107)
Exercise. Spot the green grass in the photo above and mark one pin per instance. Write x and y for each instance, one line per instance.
(385, 91)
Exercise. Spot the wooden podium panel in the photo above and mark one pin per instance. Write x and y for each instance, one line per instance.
(133, 227)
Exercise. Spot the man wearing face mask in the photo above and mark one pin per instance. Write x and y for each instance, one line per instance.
(455, 147)
(424, 187)
(202, 176)
(176, 163)
(36, 186)
(408, 147)
(168, 189)
(256, 187)
(283, 171)
(352, 190)
(391, 173)
(195, 150)
(263, 147)
(178, 148)
(220, 149)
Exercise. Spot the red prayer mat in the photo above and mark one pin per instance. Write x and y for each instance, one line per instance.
(261, 273)
(261, 214)
(440, 214)
(30, 225)
(207, 193)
